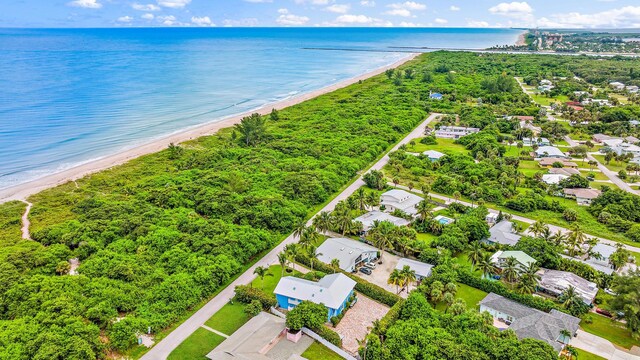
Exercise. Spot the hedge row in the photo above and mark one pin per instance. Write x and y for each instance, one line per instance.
(329, 335)
(246, 294)
(364, 287)
(465, 277)
(390, 318)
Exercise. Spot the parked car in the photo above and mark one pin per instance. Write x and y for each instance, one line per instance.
(365, 270)
(370, 265)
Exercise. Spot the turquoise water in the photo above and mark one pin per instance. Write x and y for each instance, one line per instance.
(72, 95)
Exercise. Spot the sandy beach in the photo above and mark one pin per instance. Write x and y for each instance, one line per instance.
(23, 191)
(521, 39)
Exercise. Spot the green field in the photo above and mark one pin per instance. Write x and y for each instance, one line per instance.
(546, 101)
(585, 355)
(229, 318)
(318, 351)
(613, 165)
(196, 346)
(426, 238)
(470, 295)
(443, 145)
(610, 330)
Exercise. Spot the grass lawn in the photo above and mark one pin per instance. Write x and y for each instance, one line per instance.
(443, 145)
(585, 355)
(228, 319)
(610, 330)
(598, 175)
(270, 281)
(546, 101)
(318, 351)
(426, 238)
(470, 295)
(196, 346)
(613, 165)
(560, 142)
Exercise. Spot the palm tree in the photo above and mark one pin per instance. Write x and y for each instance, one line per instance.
(395, 279)
(251, 128)
(408, 276)
(457, 195)
(565, 335)
(436, 290)
(538, 228)
(292, 252)
(424, 210)
(575, 239)
(372, 199)
(486, 266)
(342, 218)
(529, 279)
(381, 235)
(299, 229)
(361, 198)
(448, 299)
(570, 297)
(571, 352)
(335, 264)
(475, 253)
(282, 259)
(322, 222)
(308, 238)
(510, 269)
(313, 255)
(262, 271)
(558, 238)
(458, 307)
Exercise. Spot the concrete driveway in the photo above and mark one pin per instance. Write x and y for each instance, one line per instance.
(380, 274)
(599, 346)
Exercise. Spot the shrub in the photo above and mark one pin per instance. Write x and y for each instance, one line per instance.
(570, 215)
(389, 319)
(253, 308)
(429, 140)
(307, 314)
(329, 335)
(246, 294)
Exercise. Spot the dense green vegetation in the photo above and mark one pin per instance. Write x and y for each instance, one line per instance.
(421, 332)
(161, 233)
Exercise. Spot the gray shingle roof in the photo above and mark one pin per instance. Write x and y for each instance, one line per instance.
(501, 233)
(532, 323)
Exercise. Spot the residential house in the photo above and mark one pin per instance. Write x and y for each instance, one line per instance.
(601, 102)
(546, 82)
(400, 200)
(332, 291)
(555, 282)
(553, 179)
(634, 122)
(454, 132)
(631, 139)
(632, 89)
(564, 171)
(502, 233)
(369, 219)
(422, 270)
(545, 88)
(435, 96)
(350, 253)
(599, 138)
(253, 340)
(612, 142)
(549, 152)
(433, 155)
(617, 85)
(626, 148)
(491, 218)
(549, 162)
(523, 260)
(582, 196)
(599, 258)
(529, 323)
(539, 141)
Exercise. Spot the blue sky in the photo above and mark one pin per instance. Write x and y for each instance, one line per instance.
(427, 13)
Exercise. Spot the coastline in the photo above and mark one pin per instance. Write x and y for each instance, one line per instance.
(22, 191)
(522, 39)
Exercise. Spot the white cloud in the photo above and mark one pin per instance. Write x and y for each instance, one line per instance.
(125, 19)
(408, 24)
(369, 3)
(168, 20)
(87, 4)
(312, 2)
(174, 4)
(348, 19)
(202, 21)
(441, 21)
(513, 9)
(288, 19)
(338, 8)
(409, 5)
(148, 16)
(146, 7)
(248, 22)
(477, 24)
(454, 8)
(399, 12)
(624, 17)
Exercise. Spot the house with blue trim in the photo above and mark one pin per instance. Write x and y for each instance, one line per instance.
(435, 96)
(332, 291)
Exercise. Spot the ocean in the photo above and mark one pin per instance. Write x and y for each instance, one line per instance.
(68, 96)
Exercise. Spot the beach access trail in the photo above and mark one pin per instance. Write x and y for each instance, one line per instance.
(162, 349)
(23, 191)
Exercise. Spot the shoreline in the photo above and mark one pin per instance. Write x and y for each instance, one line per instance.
(522, 39)
(22, 191)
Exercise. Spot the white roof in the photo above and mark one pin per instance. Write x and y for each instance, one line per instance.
(613, 141)
(345, 250)
(369, 218)
(401, 199)
(550, 151)
(421, 269)
(432, 154)
(604, 250)
(331, 290)
(553, 178)
(557, 282)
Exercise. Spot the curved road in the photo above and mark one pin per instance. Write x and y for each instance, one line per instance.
(162, 349)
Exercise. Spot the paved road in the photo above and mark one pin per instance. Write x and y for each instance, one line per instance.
(599, 346)
(177, 336)
(553, 228)
(613, 176)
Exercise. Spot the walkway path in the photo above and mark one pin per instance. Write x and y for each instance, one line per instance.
(605, 170)
(553, 228)
(25, 221)
(601, 347)
(177, 336)
(214, 331)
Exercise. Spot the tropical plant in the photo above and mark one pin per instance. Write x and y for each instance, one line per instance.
(262, 271)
